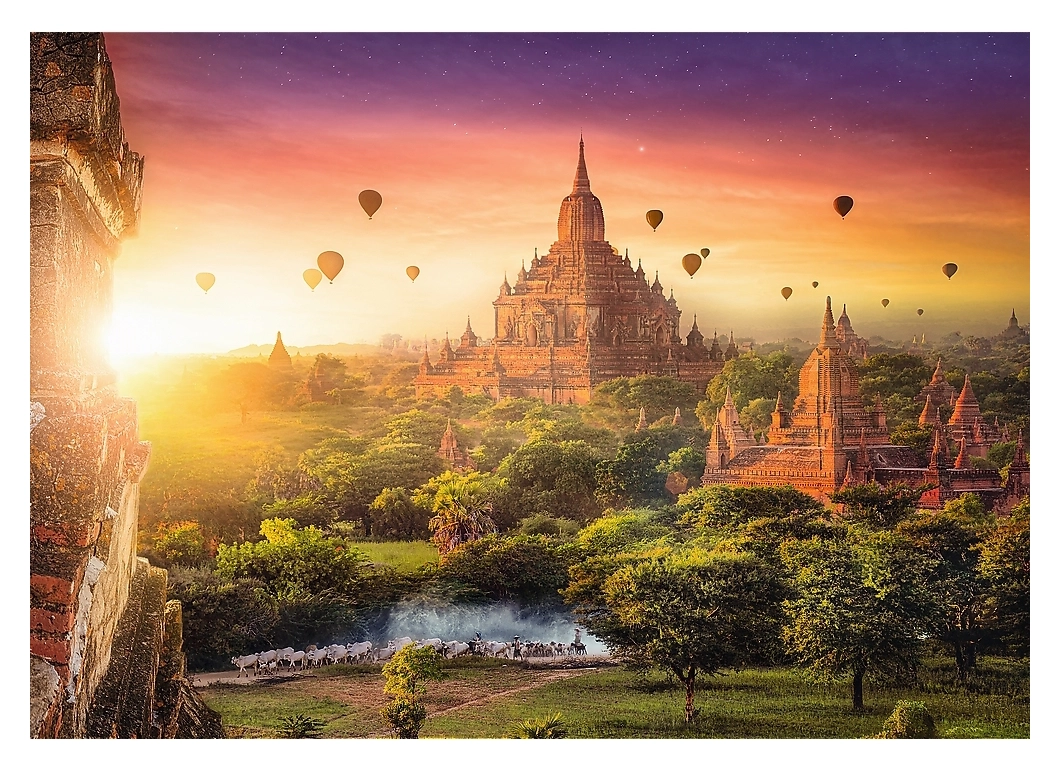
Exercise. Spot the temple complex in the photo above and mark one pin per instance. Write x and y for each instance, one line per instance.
(829, 440)
(581, 315)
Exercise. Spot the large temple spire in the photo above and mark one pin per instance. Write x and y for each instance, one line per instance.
(581, 176)
(828, 339)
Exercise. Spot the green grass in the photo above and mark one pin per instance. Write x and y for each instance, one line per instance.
(615, 703)
(404, 556)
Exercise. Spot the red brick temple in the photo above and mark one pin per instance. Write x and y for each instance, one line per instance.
(829, 440)
(580, 316)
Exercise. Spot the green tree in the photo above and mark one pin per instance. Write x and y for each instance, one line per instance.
(863, 605)
(352, 481)
(912, 434)
(528, 568)
(395, 514)
(633, 476)
(406, 675)
(554, 478)
(498, 442)
(721, 506)
(179, 543)
(308, 509)
(246, 385)
(950, 538)
(222, 618)
(749, 377)
(693, 612)
(658, 395)
(293, 559)
(1005, 564)
(878, 506)
(461, 509)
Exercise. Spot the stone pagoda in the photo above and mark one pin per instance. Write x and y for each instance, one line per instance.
(581, 315)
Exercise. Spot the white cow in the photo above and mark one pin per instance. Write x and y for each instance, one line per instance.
(317, 657)
(298, 657)
(384, 654)
(245, 661)
(266, 657)
(359, 651)
(455, 648)
(337, 653)
(400, 643)
(494, 649)
(433, 642)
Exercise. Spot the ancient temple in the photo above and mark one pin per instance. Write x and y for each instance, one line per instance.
(853, 346)
(581, 315)
(451, 451)
(280, 358)
(828, 440)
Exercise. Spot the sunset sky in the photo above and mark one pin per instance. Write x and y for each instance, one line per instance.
(257, 145)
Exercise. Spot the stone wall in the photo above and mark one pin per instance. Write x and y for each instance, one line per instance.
(86, 459)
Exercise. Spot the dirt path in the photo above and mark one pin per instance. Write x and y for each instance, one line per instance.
(551, 677)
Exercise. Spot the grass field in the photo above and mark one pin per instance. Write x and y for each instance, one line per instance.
(487, 699)
(404, 556)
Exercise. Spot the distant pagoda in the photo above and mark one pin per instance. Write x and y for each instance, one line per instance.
(279, 358)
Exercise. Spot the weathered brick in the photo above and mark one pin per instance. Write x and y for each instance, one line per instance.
(49, 648)
(49, 622)
(51, 589)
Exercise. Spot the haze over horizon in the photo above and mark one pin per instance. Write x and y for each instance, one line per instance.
(256, 147)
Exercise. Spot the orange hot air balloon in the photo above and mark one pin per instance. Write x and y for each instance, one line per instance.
(949, 269)
(919, 311)
(370, 201)
(412, 272)
(843, 204)
(705, 252)
(654, 218)
(815, 285)
(691, 262)
(205, 281)
(786, 291)
(312, 277)
(885, 302)
(330, 263)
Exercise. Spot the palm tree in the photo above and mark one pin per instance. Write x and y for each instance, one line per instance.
(461, 513)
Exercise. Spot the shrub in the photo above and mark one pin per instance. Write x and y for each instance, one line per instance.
(406, 716)
(550, 727)
(300, 726)
(910, 720)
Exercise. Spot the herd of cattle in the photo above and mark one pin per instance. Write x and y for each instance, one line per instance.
(288, 658)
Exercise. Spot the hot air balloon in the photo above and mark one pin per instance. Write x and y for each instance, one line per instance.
(786, 291)
(843, 204)
(919, 311)
(691, 262)
(705, 252)
(654, 217)
(312, 277)
(412, 272)
(814, 284)
(370, 201)
(330, 263)
(205, 281)
(885, 302)
(949, 269)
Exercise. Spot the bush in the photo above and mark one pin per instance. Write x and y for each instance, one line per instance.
(300, 726)
(910, 720)
(405, 716)
(526, 567)
(551, 727)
